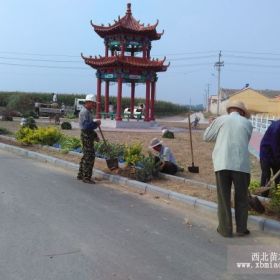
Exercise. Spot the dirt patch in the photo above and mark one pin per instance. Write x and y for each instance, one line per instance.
(180, 147)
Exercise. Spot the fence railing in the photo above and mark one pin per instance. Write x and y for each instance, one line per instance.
(261, 122)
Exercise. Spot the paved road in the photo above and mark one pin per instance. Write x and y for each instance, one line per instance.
(55, 227)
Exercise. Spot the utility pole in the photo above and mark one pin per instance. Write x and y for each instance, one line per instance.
(218, 65)
(207, 97)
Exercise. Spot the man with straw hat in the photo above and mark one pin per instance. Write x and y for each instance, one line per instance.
(164, 156)
(88, 136)
(231, 162)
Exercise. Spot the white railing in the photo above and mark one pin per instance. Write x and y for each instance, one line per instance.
(261, 122)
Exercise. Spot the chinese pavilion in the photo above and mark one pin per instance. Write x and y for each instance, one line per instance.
(123, 40)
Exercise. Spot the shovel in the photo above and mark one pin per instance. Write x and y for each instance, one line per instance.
(254, 202)
(267, 186)
(112, 163)
(193, 168)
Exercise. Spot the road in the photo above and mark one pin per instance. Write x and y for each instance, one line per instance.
(57, 228)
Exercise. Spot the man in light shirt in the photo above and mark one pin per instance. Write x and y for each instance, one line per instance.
(164, 155)
(231, 162)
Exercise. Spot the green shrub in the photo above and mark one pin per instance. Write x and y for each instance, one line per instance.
(146, 169)
(168, 134)
(109, 150)
(30, 123)
(69, 143)
(42, 135)
(254, 185)
(274, 203)
(4, 131)
(66, 126)
(133, 153)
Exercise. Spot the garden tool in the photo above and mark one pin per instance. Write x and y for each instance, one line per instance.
(254, 202)
(112, 163)
(267, 186)
(193, 168)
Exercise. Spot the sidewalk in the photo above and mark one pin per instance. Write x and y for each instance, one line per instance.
(203, 206)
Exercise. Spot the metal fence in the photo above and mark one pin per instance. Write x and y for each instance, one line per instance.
(261, 122)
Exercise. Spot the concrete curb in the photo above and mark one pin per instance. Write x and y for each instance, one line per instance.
(264, 224)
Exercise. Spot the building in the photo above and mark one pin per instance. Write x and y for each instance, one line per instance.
(257, 101)
(127, 60)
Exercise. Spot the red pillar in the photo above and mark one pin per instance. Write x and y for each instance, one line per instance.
(132, 100)
(152, 109)
(106, 51)
(107, 84)
(122, 48)
(144, 50)
(147, 105)
(119, 101)
(149, 53)
(98, 99)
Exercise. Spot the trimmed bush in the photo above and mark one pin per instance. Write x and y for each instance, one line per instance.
(30, 123)
(43, 135)
(68, 143)
(168, 134)
(4, 131)
(66, 126)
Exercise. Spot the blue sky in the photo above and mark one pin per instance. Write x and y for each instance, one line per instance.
(41, 42)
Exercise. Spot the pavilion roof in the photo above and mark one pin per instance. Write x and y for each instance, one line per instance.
(131, 61)
(128, 25)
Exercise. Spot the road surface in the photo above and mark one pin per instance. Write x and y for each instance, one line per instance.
(57, 228)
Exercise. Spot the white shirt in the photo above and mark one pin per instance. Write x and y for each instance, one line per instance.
(165, 154)
(232, 134)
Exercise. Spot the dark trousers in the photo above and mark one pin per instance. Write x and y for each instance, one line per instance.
(266, 168)
(167, 167)
(87, 160)
(241, 181)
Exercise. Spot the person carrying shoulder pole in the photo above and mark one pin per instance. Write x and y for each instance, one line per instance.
(88, 135)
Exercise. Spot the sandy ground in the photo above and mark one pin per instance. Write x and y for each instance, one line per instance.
(180, 146)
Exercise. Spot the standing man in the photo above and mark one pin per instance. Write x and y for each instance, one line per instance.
(88, 135)
(231, 162)
(270, 154)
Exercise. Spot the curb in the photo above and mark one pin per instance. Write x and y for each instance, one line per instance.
(263, 224)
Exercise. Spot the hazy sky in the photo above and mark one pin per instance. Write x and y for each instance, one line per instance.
(41, 42)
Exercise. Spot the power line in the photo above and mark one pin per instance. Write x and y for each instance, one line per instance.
(250, 52)
(44, 66)
(191, 58)
(253, 57)
(41, 60)
(191, 65)
(254, 65)
(38, 54)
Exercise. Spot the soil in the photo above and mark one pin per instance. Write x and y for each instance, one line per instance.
(180, 147)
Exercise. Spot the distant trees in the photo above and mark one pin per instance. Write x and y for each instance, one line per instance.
(24, 102)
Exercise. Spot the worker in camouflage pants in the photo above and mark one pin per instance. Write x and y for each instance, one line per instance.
(88, 135)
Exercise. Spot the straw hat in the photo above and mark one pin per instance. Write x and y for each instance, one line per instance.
(239, 105)
(155, 142)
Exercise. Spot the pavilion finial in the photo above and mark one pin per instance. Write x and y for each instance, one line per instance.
(128, 11)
